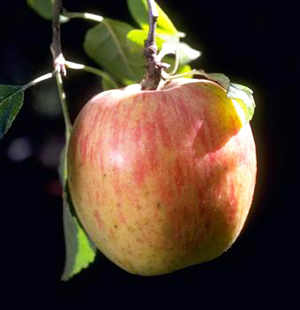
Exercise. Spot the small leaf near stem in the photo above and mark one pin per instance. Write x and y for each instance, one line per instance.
(154, 65)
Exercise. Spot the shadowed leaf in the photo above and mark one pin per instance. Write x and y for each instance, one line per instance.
(80, 252)
(11, 101)
(107, 44)
(42, 7)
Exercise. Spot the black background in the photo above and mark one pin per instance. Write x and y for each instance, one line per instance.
(255, 44)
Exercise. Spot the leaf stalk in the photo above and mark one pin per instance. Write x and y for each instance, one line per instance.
(102, 74)
(42, 78)
(87, 16)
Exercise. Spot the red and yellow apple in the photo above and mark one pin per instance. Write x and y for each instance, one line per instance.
(163, 179)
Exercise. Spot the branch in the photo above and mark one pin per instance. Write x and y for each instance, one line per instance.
(59, 63)
(56, 40)
(64, 105)
(153, 65)
(153, 16)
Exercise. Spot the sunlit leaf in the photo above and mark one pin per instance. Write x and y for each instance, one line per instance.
(11, 101)
(127, 82)
(139, 12)
(220, 78)
(186, 71)
(187, 54)
(107, 44)
(138, 36)
(243, 96)
(166, 44)
(240, 95)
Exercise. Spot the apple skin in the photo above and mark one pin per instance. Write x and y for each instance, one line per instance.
(164, 179)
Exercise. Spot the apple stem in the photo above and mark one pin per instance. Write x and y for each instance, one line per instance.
(153, 64)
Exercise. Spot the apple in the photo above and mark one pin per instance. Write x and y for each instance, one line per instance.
(162, 179)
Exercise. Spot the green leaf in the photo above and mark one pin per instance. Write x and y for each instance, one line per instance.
(139, 12)
(127, 82)
(62, 168)
(42, 7)
(243, 95)
(138, 37)
(107, 84)
(187, 54)
(80, 252)
(11, 101)
(107, 44)
(167, 45)
(220, 78)
(107, 81)
(186, 71)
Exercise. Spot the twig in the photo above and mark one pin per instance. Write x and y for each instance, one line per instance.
(153, 16)
(64, 105)
(56, 40)
(59, 63)
(154, 65)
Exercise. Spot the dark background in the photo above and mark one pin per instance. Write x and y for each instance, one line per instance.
(255, 44)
